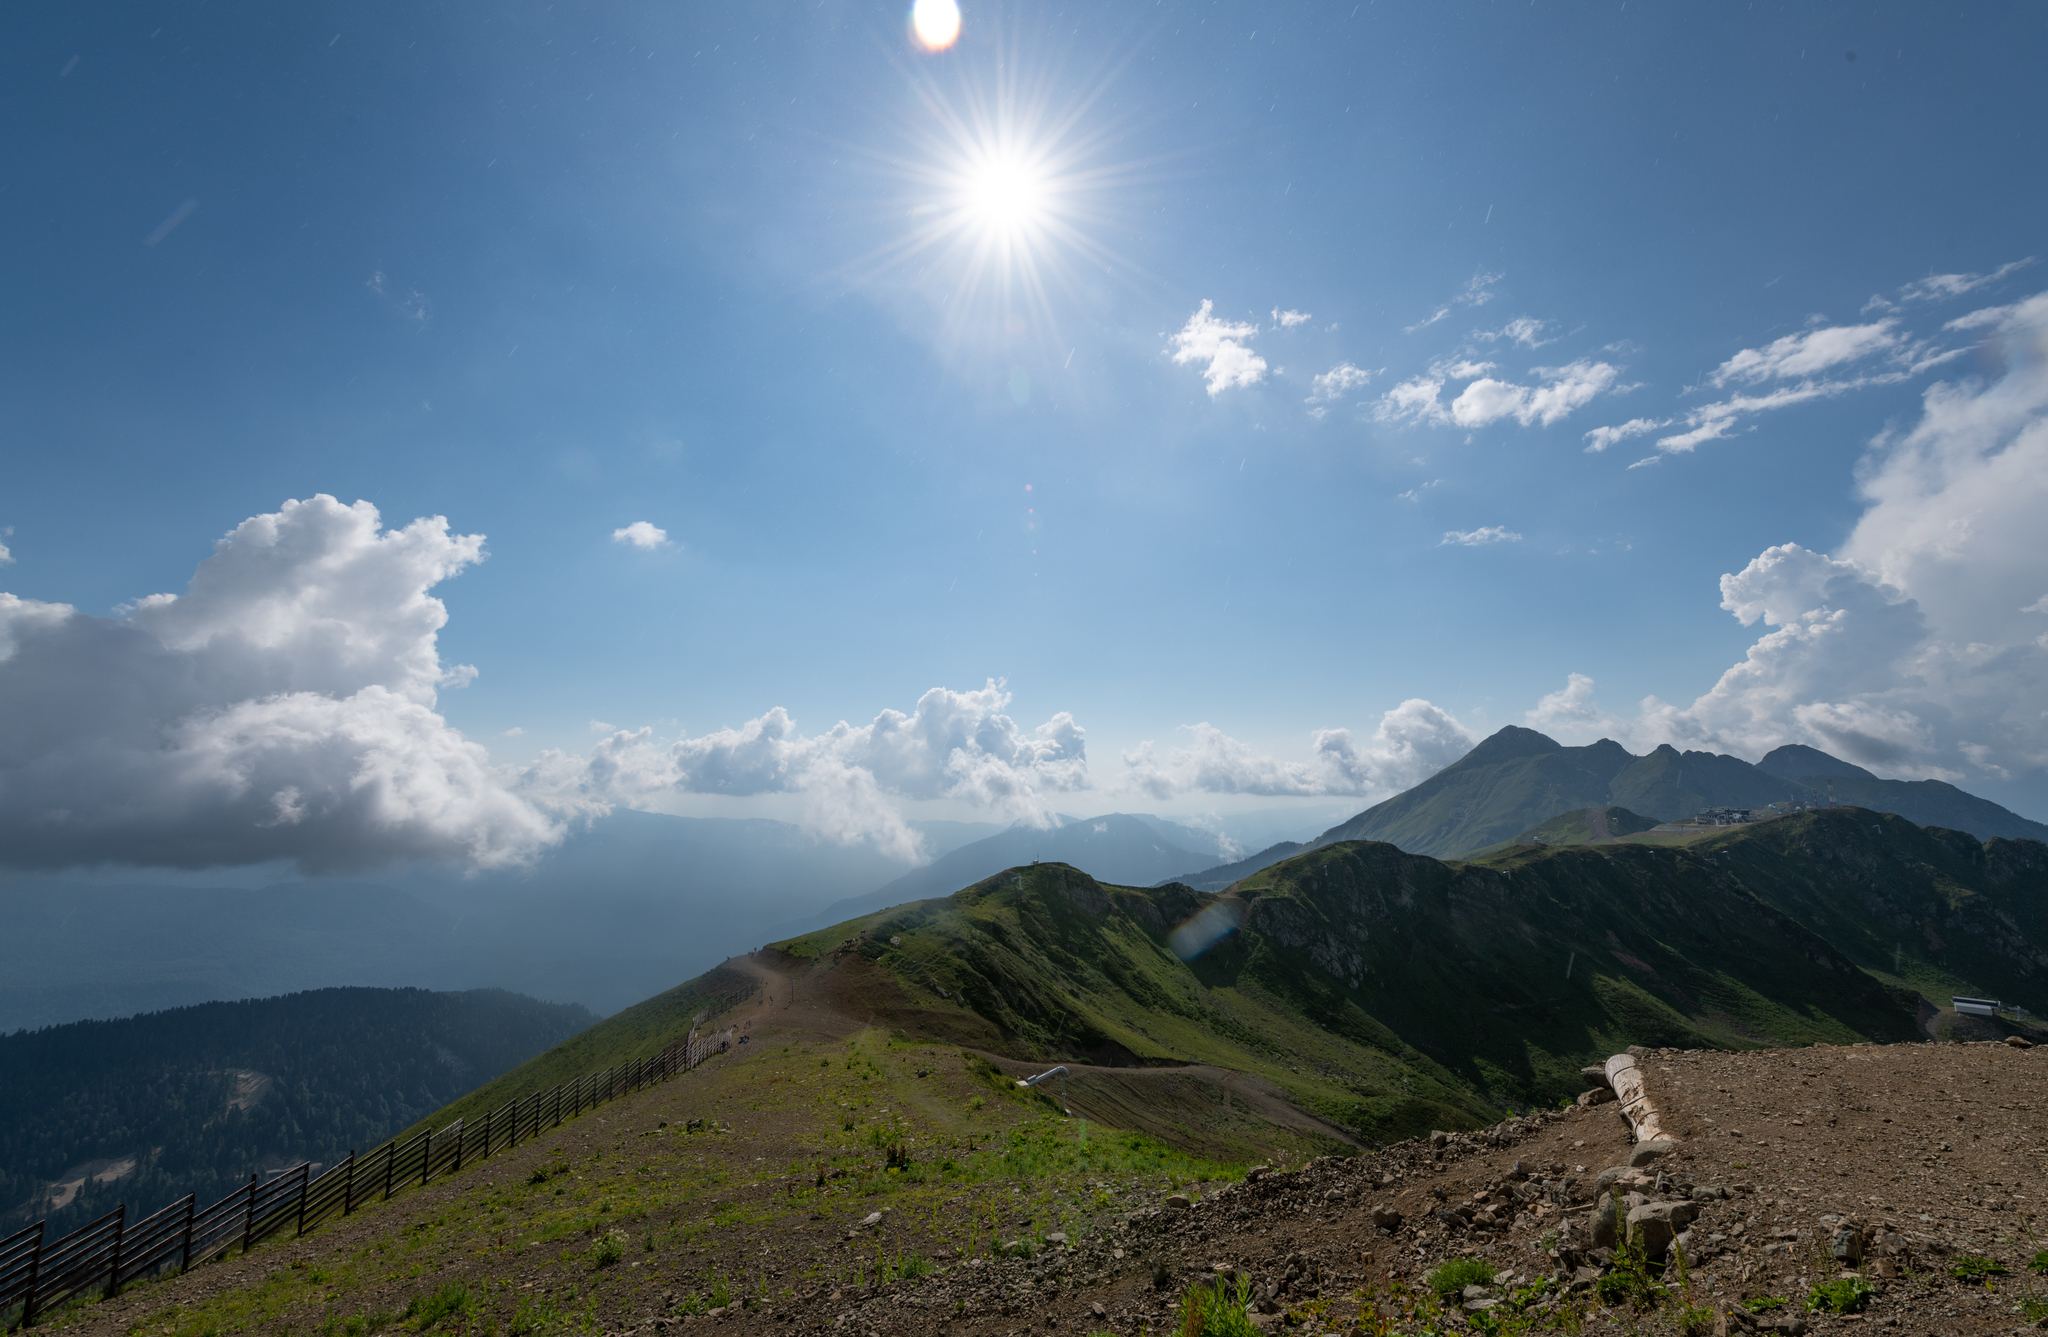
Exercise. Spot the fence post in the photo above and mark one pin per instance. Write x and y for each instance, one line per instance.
(185, 1250)
(348, 1185)
(305, 1183)
(461, 1137)
(249, 1213)
(488, 1116)
(120, 1237)
(390, 1157)
(427, 1156)
(35, 1274)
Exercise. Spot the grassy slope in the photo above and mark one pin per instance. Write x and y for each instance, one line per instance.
(1573, 828)
(640, 1031)
(754, 1204)
(1056, 965)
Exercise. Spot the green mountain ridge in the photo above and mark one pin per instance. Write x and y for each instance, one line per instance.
(1391, 993)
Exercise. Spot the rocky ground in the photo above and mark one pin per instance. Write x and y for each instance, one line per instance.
(1905, 1180)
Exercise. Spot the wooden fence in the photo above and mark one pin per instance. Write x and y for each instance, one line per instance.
(38, 1274)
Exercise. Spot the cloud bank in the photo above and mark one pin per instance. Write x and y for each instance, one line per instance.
(953, 745)
(1413, 741)
(281, 708)
(1920, 647)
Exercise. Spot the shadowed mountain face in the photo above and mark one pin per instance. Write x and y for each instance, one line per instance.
(1518, 779)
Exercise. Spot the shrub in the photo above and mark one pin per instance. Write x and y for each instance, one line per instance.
(1217, 1309)
(1764, 1304)
(1844, 1295)
(1454, 1276)
(451, 1301)
(1976, 1267)
(609, 1249)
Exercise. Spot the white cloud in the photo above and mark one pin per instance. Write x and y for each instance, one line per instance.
(1220, 345)
(6, 553)
(641, 535)
(1337, 382)
(1710, 422)
(1463, 369)
(1805, 354)
(1414, 399)
(281, 708)
(1600, 438)
(1991, 317)
(1942, 287)
(1478, 291)
(1524, 330)
(1474, 538)
(1479, 288)
(1563, 390)
(1287, 320)
(1900, 651)
(1415, 493)
(1413, 741)
(954, 745)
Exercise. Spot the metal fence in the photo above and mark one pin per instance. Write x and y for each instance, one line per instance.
(38, 1274)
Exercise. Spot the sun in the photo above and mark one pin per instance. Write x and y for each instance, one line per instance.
(1005, 193)
(1002, 194)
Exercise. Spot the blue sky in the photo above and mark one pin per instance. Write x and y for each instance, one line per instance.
(550, 271)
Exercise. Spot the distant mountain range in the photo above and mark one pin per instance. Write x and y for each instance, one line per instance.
(621, 910)
(1518, 779)
(195, 1099)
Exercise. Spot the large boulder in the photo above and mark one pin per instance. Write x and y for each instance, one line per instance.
(1655, 1224)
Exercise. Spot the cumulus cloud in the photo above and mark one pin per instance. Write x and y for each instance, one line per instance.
(1220, 345)
(6, 553)
(1479, 538)
(282, 707)
(1287, 320)
(642, 535)
(1413, 741)
(1901, 650)
(1337, 382)
(1559, 392)
(954, 745)
(1600, 438)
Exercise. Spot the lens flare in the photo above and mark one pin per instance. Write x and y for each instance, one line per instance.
(936, 23)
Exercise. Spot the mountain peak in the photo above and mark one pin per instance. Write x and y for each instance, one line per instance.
(1795, 761)
(1509, 742)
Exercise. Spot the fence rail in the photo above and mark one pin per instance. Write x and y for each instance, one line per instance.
(38, 1274)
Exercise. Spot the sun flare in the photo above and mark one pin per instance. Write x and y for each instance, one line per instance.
(936, 23)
